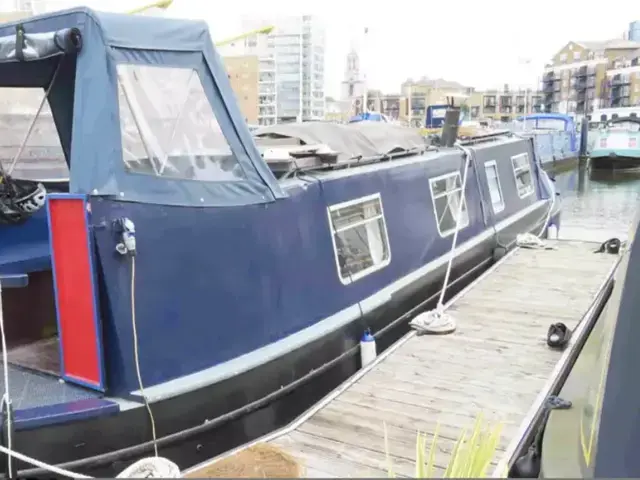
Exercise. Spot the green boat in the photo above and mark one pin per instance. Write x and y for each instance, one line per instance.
(616, 145)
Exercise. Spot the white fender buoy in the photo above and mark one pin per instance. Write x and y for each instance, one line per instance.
(151, 467)
(552, 232)
(367, 348)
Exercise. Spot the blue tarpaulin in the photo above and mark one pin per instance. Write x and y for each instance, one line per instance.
(371, 116)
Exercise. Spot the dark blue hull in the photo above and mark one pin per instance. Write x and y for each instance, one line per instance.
(206, 420)
(615, 162)
(257, 402)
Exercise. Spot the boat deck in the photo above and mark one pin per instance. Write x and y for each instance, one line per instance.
(29, 389)
(496, 363)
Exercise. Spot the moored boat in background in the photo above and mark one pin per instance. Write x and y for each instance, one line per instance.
(556, 137)
(616, 145)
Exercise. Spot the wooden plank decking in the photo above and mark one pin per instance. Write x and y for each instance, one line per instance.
(497, 362)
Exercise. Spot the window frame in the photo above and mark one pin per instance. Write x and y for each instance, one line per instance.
(494, 164)
(349, 203)
(515, 175)
(433, 202)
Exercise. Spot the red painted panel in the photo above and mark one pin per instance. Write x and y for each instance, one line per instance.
(74, 291)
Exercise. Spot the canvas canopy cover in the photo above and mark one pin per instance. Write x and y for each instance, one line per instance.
(142, 106)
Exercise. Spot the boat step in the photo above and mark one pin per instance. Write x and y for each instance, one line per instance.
(14, 280)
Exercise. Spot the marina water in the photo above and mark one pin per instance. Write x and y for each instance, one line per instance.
(597, 205)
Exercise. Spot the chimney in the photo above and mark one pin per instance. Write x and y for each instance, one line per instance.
(450, 126)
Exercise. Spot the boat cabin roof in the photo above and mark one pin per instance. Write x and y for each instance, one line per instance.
(314, 144)
(142, 106)
(614, 121)
(548, 121)
(293, 148)
(547, 116)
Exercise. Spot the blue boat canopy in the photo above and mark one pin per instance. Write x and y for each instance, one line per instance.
(142, 105)
(566, 119)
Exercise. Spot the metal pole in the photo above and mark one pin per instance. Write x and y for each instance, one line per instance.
(364, 75)
(410, 111)
(300, 66)
(525, 61)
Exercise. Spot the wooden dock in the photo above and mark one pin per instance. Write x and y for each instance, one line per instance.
(496, 363)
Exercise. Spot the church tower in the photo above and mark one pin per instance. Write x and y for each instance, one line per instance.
(352, 85)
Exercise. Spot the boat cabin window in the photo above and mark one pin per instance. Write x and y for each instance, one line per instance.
(360, 239)
(446, 193)
(495, 191)
(42, 158)
(169, 128)
(522, 174)
(625, 126)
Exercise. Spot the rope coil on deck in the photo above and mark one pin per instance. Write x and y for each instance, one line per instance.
(437, 320)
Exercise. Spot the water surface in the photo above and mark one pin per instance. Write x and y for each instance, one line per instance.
(597, 205)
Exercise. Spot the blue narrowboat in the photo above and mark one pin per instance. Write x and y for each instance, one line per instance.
(171, 280)
(556, 137)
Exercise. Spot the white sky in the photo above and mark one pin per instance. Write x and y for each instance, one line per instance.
(477, 43)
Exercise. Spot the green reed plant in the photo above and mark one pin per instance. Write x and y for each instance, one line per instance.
(470, 458)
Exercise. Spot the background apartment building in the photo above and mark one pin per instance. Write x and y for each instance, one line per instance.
(504, 104)
(410, 105)
(291, 68)
(394, 105)
(425, 91)
(584, 76)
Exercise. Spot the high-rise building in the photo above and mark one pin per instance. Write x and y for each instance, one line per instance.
(634, 31)
(292, 73)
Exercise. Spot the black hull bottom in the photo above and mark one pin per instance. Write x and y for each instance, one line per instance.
(615, 163)
(248, 406)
